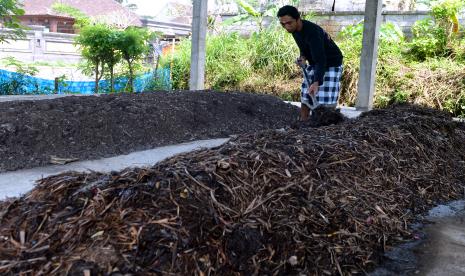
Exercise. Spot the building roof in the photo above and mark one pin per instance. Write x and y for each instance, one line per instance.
(108, 11)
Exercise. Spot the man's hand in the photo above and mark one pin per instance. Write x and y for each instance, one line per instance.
(313, 89)
(301, 61)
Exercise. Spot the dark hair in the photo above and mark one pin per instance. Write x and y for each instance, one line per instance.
(289, 10)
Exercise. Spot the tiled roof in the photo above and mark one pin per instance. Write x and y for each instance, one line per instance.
(108, 9)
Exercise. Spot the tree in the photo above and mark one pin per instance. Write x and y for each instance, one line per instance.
(114, 56)
(97, 45)
(133, 43)
(258, 11)
(80, 18)
(104, 46)
(9, 12)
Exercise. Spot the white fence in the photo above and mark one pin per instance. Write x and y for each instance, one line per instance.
(39, 45)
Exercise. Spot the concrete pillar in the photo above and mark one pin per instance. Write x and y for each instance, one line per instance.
(38, 44)
(199, 33)
(368, 60)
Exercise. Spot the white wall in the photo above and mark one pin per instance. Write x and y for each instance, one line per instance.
(42, 46)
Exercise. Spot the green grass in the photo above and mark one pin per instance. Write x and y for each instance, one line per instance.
(264, 63)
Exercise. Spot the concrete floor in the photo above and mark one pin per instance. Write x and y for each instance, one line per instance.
(16, 183)
(443, 252)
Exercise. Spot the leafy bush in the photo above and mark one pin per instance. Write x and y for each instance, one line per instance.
(17, 83)
(429, 40)
(445, 13)
(103, 47)
(179, 64)
(227, 62)
(434, 82)
(435, 36)
(80, 18)
(10, 11)
(456, 105)
(388, 33)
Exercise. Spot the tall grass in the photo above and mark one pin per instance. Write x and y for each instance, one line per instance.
(228, 61)
(389, 61)
(231, 60)
(437, 82)
(264, 63)
(180, 63)
(273, 51)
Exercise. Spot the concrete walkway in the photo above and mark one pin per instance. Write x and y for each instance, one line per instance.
(443, 252)
(16, 183)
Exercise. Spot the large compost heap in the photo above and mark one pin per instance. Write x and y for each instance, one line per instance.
(32, 133)
(302, 201)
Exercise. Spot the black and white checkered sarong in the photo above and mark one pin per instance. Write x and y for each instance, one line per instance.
(328, 92)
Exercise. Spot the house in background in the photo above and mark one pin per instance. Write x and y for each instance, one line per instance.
(41, 13)
(172, 11)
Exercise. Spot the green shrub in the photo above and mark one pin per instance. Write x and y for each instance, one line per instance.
(445, 13)
(400, 96)
(429, 40)
(437, 35)
(388, 33)
(456, 105)
(18, 83)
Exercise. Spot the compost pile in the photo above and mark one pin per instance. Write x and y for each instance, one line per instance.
(323, 201)
(90, 127)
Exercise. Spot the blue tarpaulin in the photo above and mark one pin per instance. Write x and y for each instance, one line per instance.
(12, 83)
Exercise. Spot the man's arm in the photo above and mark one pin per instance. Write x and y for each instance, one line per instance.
(317, 48)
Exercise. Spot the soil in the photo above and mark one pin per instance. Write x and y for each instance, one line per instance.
(321, 201)
(91, 127)
(273, 201)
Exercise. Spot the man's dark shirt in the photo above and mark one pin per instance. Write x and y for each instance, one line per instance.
(318, 48)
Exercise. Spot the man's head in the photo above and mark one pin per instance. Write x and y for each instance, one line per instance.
(289, 18)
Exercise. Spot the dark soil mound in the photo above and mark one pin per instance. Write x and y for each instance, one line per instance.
(310, 201)
(93, 127)
(321, 116)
